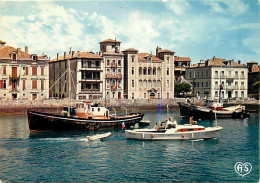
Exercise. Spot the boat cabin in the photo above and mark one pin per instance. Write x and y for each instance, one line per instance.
(214, 104)
(89, 110)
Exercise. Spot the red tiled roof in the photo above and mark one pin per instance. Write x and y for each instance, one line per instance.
(78, 55)
(7, 50)
(2, 42)
(110, 41)
(166, 51)
(252, 62)
(142, 57)
(183, 59)
(130, 49)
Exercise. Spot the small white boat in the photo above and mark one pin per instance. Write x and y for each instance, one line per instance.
(99, 136)
(170, 130)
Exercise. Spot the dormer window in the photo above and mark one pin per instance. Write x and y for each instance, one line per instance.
(13, 56)
(34, 57)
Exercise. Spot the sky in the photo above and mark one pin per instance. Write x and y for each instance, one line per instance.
(199, 29)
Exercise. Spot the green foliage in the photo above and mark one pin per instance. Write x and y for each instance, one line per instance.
(182, 88)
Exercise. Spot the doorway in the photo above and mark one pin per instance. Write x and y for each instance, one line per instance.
(229, 94)
(14, 96)
(152, 95)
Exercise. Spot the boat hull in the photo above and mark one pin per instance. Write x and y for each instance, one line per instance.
(209, 133)
(45, 121)
(188, 110)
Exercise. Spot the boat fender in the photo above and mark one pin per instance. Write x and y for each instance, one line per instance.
(87, 126)
(152, 136)
(96, 126)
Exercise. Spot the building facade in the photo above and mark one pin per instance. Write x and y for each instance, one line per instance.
(253, 77)
(180, 65)
(23, 75)
(86, 76)
(148, 76)
(113, 85)
(217, 76)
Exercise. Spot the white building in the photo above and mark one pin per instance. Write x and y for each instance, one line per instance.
(86, 76)
(209, 76)
(149, 76)
(113, 85)
(23, 75)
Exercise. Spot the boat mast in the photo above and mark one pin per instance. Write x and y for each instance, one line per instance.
(69, 89)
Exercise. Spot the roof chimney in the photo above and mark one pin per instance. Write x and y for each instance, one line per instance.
(26, 49)
(158, 49)
(73, 52)
(214, 58)
(65, 53)
(239, 62)
(57, 56)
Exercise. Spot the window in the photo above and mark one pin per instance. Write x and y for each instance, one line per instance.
(108, 62)
(140, 70)
(154, 71)
(133, 83)
(198, 84)
(42, 84)
(34, 84)
(144, 95)
(242, 73)
(145, 71)
(216, 73)
(201, 73)
(4, 70)
(236, 73)
(242, 94)
(140, 83)
(207, 73)
(149, 71)
(34, 57)
(207, 84)
(42, 71)
(23, 84)
(133, 71)
(119, 62)
(34, 70)
(202, 84)
(167, 95)
(133, 95)
(167, 72)
(108, 71)
(168, 84)
(222, 73)
(190, 74)
(216, 93)
(133, 58)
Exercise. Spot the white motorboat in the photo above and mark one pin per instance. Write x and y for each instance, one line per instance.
(99, 136)
(170, 130)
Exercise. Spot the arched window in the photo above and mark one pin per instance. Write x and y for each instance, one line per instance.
(154, 71)
(140, 70)
(140, 83)
(145, 83)
(154, 83)
(159, 71)
(145, 71)
(149, 71)
(158, 83)
(149, 83)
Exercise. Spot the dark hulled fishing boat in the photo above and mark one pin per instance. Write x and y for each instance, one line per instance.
(205, 112)
(87, 117)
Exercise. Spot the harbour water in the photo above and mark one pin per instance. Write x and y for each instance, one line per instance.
(69, 157)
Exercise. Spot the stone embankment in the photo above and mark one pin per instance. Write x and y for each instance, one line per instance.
(19, 107)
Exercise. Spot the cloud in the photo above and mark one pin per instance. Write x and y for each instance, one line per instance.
(178, 7)
(246, 26)
(232, 7)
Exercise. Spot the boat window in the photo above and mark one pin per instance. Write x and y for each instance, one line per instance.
(92, 109)
(98, 109)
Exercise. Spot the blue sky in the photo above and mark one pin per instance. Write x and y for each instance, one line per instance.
(199, 29)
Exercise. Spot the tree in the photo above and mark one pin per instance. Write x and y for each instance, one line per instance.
(182, 88)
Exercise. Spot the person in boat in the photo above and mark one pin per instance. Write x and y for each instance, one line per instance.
(191, 121)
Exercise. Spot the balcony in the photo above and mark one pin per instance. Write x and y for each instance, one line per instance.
(14, 78)
(113, 87)
(113, 76)
(90, 90)
(95, 80)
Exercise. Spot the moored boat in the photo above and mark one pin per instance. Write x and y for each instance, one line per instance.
(87, 117)
(205, 112)
(170, 130)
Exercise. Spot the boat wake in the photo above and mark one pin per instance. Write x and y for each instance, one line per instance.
(197, 140)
